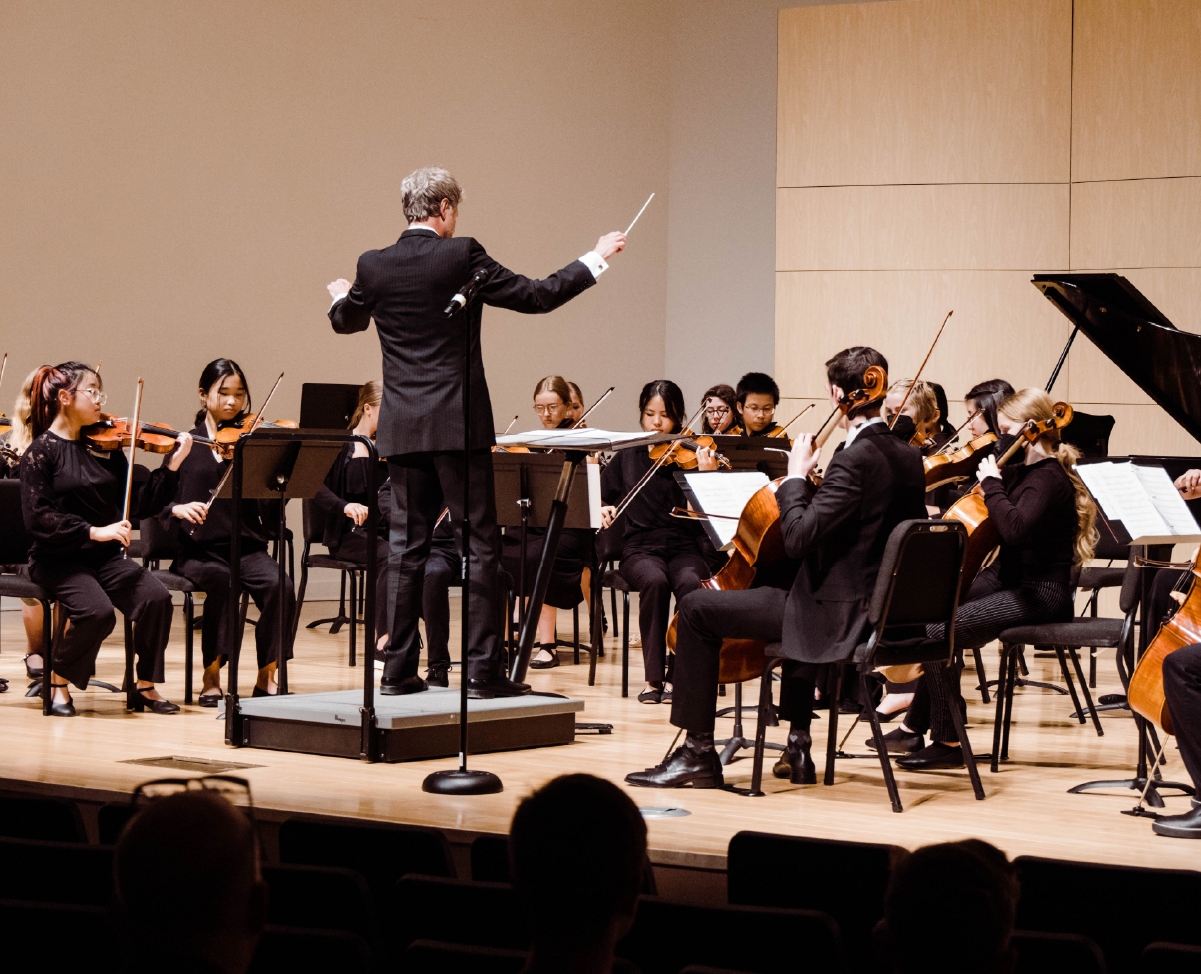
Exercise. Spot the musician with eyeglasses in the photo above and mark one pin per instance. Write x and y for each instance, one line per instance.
(720, 414)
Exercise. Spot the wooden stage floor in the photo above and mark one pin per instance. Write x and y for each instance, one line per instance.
(1027, 811)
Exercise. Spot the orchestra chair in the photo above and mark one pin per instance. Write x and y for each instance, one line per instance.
(314, 531)
(1039, 952)
(1092, 579)
(381, 852)
(324, 897)
(1121, 908)
(56, 872)
(844, 879)
(613, 580)
(918, 585)
(287, 949)
(434, 908)
(73, 930)
(1165, 958)
(436, 957)
(49, 819)
(1063, 638)
(755, 939)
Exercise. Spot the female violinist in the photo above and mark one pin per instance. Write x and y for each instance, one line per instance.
(721, 410)
(72, 500)
(1047, 522)
(662, 555)
(204, 539)
(912, 410)
(982, 402)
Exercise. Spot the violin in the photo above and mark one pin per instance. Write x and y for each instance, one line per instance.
(972, 511)
(958, 466)
(115, 433)
(229, 432)
(682, 453)
(1145, 690)
(508, 449)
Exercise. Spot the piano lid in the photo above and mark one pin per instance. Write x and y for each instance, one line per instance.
(1137, 337)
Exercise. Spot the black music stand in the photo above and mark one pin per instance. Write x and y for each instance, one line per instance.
(755, 453)
(283, 465)
(327, 405)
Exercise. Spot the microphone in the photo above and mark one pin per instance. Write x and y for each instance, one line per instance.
(466, 294)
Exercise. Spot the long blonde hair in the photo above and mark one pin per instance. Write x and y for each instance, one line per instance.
(1027, 404)
(371, 394)
(22, 434)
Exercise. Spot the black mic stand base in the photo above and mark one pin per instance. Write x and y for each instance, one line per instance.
(462, 782)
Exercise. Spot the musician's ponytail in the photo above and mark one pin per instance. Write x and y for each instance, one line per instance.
(44, 387)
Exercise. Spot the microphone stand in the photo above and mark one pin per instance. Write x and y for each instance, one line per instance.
(461, 781)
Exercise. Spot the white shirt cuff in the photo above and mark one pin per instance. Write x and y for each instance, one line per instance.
(337, 298)
(595, 263)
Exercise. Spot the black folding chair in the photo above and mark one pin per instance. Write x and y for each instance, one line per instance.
(314, 530)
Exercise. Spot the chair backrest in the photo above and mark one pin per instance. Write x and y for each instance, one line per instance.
(1164, 958)
(324, 897)
(314, 521)
(1132, 580)
(1122, 908)
(1089, 433)
(918, 581)
(15, 541)
(161, 542)
(745, 938)
(844, 879)
(380, 852)
(286, 950)
(1039, 952)
(490, 858)
(437, 957)
(433, 908)
(36, 870)
(30, 817)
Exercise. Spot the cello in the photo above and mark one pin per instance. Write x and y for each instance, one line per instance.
(1145, 692)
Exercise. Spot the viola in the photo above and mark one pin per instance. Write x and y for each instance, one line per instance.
(682, 453)
(972, 511)
(958, 466)
(115, 433)
(1145, 691)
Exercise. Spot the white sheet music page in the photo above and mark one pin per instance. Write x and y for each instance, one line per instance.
(1122, 496)
(587, 438)
(725, 494)
(1167, 499)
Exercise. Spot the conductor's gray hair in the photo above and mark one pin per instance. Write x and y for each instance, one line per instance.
(422, 193)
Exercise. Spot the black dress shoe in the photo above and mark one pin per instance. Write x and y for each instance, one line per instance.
(686, 766)
(545, 664)
(498, 686)
(438, 676)
(932, 757)
(210, 699)
(33, 674)
(141, 703)
(651, 695)
(900, 741)
(796, 763)
(399, 688)
(1186, 826)
(61, 709)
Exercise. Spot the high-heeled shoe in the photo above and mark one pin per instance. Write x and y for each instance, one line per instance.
(141, 702)
(60, 709)
(30, 671)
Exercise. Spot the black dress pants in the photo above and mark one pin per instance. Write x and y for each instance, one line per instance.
(352, 546)
(657, 574)
(422, 485)
(706, 618)
(208, 570)
(442, 568)
(88, 590)
(1182, 689)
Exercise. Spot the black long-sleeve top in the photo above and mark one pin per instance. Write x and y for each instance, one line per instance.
(67, 489)
(1034, 509)
(647, 522)
(348, 482)
(199, 474)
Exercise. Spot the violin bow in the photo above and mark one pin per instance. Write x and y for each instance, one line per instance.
(647, 476)
(3, 366)
(258, 421)
(784, 428)
(951, 439)
(605, 395)
(510, 426)
(133, 449)
(913, 381)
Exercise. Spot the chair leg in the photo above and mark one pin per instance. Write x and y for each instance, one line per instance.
(1088, 697)
(130, 682)
(980, 675)
(354, 626)
(1067, 678)
(48, 644)
(304, 581)
(596, 632)
(613, 601)
(969, 759)
(1010, 685)
(890, 780)
(761, 729)
(188, 611)
(832, 730)
(625, 643)
(999, 719)
(575, 632)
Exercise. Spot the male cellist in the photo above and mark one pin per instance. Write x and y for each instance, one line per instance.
(835, 538)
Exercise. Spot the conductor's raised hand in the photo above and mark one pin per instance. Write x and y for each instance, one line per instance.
(340, 286)
(610, 244)
(804, 456)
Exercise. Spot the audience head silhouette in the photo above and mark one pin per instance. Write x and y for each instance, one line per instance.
(188, 883)
(578, 840)
(969, 891)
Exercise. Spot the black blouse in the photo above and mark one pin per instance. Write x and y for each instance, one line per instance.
(67, 489)
(348, 482)
(1034, 509)
(647, 521)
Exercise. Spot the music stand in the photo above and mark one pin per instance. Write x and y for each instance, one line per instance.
(283, 465)
(327, 405)
(755, 453)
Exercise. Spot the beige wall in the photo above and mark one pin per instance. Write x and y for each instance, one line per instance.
(933, 154)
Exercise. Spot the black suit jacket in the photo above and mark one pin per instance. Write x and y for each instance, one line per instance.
(839, 532)
(405, 288)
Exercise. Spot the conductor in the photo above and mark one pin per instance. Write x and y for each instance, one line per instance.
(405, 288)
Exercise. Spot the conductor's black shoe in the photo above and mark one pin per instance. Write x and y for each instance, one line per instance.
(390, 687)
(796, 763)
(900, 741)
(498, 686)
(1186, 826)
(686, 766)
(438, 676)
(933, 757)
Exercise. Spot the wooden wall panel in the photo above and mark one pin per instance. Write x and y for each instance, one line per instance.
(1137, 223)
(947, 227)
(1136, 89)
(924, 91)
(1145, 429)
(1002, 326)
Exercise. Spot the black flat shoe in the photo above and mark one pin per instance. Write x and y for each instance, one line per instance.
(546, 664)
(400, 688)
(61, 709)
(438, 676)
(899, 742)
(650, 695)
(933, 757)
(1185, 826)
(796, 763)
(686, 766)
(141, 703)
(210, 699)
(260, 692)
(30, 671)
(499, 686)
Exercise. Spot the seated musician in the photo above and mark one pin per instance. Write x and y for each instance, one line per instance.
(756, 398)
(1182, 691)
(834, 536)
(206, 533)
(576, 411)
(720, 414)
(946, 433)
(918, 422)
(982, 401)
(1047, 522)
(661, 555)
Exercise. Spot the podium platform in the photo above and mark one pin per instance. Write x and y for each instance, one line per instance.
(408, 728)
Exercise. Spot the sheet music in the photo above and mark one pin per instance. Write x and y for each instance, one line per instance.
(1123, 498)
(726, 494)
(1167, 499)
(588, 439)
(594, 493)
